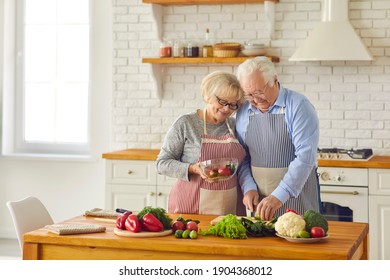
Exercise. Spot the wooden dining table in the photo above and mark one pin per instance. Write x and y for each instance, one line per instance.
(346, 241)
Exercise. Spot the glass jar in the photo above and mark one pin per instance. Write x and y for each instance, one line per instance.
(195, 51)
(207, 51)
(165, 50)
(192, 50)
(176, 49)
(188, 50)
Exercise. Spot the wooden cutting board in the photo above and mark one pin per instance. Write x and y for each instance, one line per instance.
(106, 220)
(127, 233)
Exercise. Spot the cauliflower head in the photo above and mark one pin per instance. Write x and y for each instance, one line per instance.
(290, 224)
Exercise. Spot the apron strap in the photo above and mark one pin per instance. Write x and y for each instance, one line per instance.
(204, 123)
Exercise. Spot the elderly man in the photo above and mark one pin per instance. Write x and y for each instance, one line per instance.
(279, 129)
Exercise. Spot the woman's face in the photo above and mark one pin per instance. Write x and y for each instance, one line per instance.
(219, 108)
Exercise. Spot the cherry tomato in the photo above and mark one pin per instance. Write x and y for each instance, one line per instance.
(178, 225)
(224, 171)
(191, 225)
(317, 232)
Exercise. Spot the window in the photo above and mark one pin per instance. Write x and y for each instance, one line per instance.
(52, 63)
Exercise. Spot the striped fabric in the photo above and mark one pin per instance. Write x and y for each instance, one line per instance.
(277, 153)
(270, 146)
(185, 196)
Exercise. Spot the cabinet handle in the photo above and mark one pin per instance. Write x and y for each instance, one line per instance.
(129, 172)
(159, 194)
(151, 194)
(335, 192)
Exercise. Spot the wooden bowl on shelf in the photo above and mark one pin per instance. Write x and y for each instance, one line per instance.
(226, 49)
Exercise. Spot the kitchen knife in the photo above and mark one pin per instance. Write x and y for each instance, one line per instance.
(121, 210)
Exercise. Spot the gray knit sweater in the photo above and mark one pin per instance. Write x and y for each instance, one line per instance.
(181, 146)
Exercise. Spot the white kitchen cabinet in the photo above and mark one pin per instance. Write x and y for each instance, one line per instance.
(135, 184)
(164, 186)
(379, 214)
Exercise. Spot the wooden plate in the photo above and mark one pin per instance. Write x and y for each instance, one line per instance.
(127, 233)
(303, 240)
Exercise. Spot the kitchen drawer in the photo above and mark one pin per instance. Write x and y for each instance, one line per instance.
(131, 172)
(133, 197)
(162, 196)
(379, 182)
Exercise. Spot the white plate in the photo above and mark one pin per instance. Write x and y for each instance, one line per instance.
(303, 240)
(253, 52)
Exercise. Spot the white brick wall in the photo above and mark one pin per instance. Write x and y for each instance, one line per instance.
(352, 98)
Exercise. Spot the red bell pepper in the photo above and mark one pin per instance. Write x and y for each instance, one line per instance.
(121, 219)
(151, 223)
(132, 223)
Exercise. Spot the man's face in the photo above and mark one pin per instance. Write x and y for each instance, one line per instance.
(258, 92)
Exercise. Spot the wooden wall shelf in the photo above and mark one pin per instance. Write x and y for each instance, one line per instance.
(201, 2)
(201, 60)
(157, 63)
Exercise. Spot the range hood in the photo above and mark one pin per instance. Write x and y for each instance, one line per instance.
(334, 38)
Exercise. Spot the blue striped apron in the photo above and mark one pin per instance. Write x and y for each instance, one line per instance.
(271, 150)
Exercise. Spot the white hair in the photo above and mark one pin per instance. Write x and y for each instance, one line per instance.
(260, 63)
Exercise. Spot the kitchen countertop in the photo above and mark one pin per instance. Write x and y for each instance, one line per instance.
(347, 240)
(151, 154)
(133, 154)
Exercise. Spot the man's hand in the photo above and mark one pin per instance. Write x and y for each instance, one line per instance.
(251, 199)
(267, 207)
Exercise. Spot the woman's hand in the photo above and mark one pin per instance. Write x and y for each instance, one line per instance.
(195, 169)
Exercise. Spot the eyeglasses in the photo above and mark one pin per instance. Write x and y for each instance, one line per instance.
(256, 93)
(232, 106)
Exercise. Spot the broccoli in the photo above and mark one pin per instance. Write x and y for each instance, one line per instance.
(315, 219)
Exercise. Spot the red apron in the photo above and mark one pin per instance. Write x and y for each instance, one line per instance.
(201, 197)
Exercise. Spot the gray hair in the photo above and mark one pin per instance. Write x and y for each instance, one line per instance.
(222, 84)
(260, 63)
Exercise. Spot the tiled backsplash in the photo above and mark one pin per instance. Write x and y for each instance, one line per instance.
(352, 98)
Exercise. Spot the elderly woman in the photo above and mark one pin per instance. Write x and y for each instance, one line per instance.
(202, 135)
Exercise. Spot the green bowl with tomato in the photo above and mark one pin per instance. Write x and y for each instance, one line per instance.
(219, 169)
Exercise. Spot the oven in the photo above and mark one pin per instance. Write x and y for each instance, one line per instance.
(344, 190)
